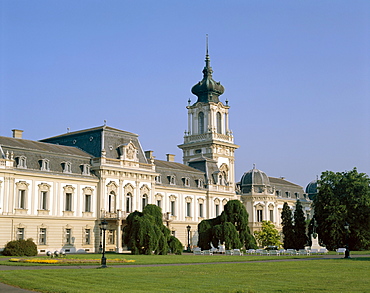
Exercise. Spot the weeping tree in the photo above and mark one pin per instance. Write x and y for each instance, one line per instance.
(146, 234)
(288, 228)
(230, 228)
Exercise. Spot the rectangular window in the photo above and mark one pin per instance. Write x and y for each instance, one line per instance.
(68, 236)
(287, 194)
(68, 206)
(111, 236)
(159, 203)
(271, 216)
(259, 216)
(217, 210)
(87, 203)
(20, 234)
(296, 194)
(42, 236)
(173, 208)
(188, 209)
(87, 236)
(22, 199)
(201, 210)
(43, 200)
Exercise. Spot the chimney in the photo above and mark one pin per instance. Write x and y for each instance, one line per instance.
(17, 133)
(149, 155)
(170, 158)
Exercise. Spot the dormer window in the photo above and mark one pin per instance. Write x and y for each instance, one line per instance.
(296, 194)
(158, 179)
(172, 179)
(186, 181)
(287, 194)
(200, 183)
(21, 162)
(278, 193)
(67, 167)
(45, 165)
(85, 169)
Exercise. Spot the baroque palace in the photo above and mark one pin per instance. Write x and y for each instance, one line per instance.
(57, 190)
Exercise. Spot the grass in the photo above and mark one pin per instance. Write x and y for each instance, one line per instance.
(334, 275)
(329, 275)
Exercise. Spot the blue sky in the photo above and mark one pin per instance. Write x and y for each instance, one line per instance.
(296, 74)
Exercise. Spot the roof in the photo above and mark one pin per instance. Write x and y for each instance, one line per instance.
(176, 166)
(103, 127)
(274, 180)
(25, 144)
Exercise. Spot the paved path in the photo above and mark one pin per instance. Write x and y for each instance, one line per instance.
(10, 289)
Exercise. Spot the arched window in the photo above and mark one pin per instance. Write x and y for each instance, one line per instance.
(128, 202)
(145, 200)
(218, 121)
(201, 123)
(112, 202)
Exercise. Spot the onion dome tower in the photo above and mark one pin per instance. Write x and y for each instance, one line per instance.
(208, 136)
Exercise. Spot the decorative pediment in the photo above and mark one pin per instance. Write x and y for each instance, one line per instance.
(188, 199)
(129, 188)
(172, 197)
(44, 186)
(128, 152)
(158, 196)
(144, 189)
(224, 201)
(87, 190)
(112, 186)
(68, 189)
(217, 201)
(224, 168)
(22, 185)
(200, 200)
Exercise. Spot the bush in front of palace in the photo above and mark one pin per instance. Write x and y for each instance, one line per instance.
(146, 234)
(20, 248)
(230, 228)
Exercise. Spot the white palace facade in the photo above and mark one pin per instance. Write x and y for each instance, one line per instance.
(57, 190)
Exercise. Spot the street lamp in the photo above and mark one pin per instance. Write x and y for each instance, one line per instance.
(346, 227)
(103, 225)
(188, 248)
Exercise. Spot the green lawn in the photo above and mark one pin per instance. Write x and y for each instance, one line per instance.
(336, 275)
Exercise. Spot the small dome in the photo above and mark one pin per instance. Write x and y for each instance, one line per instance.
(254, 177)
(311, 189)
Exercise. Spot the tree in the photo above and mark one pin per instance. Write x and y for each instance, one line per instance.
(146, 234)
(288, 228)
(268, 235)
(300, 236)
(230, 228)
(343, 197)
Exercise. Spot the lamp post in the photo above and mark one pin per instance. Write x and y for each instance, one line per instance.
(103, 225)
(188, 248)
(346, 227)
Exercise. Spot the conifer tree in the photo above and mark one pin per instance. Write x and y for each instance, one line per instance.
(300, 236)
(288, 228)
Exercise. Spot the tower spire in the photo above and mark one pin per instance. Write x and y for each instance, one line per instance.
(207, 71)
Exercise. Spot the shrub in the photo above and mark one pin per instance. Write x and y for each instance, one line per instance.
(175, 245)
(20, 248)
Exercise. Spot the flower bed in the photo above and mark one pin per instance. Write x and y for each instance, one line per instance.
(67, 261)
